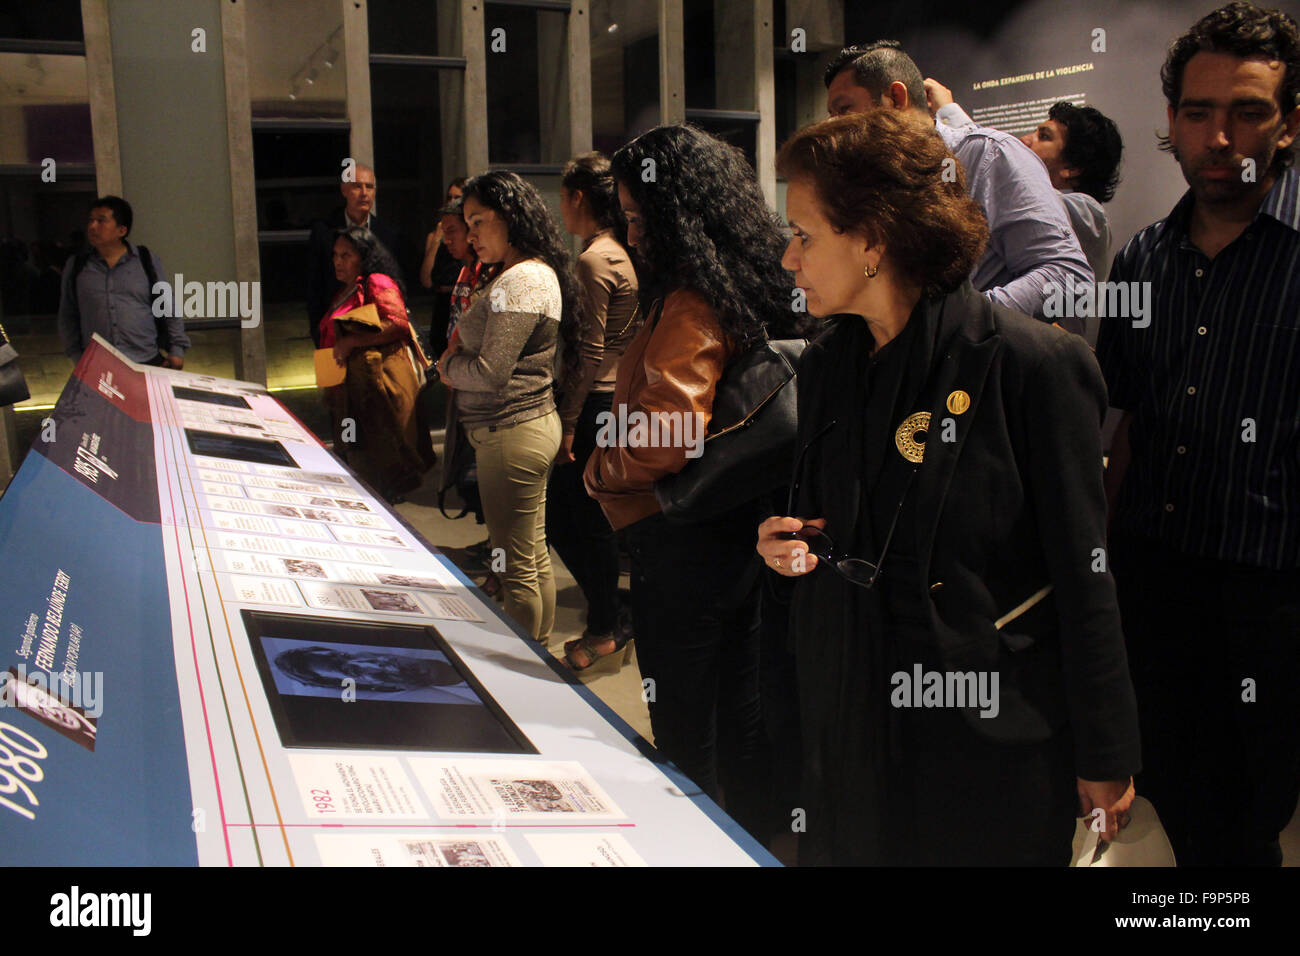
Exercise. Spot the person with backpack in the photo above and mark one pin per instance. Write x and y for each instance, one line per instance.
(109, 289)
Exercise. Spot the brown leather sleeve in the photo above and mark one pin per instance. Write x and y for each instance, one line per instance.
(682, 363)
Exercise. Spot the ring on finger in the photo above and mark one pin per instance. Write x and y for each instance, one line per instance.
(778, 562)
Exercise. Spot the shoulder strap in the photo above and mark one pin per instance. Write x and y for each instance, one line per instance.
(442, 498)
(159, 321)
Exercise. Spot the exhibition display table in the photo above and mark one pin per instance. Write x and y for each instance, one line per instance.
(261, 664)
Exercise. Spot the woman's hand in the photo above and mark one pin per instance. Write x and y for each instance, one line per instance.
(1112, 798)
(565, 455)
(783, 554)
(343, 347)
(452, 348)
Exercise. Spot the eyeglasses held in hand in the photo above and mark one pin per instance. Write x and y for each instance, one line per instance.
(857, 571)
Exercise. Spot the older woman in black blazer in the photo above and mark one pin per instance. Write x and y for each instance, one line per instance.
(963, 685)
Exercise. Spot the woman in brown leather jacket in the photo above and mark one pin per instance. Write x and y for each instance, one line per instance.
(709, 254)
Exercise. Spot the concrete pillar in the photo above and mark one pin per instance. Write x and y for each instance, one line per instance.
(356, 56)
(250, 358)
(579, 46)
(103, 99)
(765, 100)
(175, 171)
(672, 63)
(473, 48)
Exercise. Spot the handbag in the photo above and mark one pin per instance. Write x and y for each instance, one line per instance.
(13, 387)
(750, 443)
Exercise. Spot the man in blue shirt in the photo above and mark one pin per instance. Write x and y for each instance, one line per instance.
(1031, 242)
(1204, 475)
(112, 294)
(1081, 148)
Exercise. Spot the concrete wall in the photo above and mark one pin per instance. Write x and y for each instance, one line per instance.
(171, 120)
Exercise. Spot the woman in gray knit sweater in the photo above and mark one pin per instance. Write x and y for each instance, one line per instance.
(501, 361)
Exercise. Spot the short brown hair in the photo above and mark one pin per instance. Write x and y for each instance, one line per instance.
(881, 175)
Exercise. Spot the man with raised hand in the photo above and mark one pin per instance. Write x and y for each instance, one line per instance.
(1081, 148)
(1031, 244)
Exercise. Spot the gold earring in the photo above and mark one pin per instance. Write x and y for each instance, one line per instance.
(870, 272)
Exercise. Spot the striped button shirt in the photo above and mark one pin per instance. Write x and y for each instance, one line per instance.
(1213, 385)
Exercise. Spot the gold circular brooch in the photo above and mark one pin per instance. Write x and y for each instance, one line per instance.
(905, 438)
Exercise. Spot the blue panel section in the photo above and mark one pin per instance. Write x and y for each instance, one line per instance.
(128, 801)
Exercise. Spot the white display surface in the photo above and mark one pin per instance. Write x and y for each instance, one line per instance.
(312, 542)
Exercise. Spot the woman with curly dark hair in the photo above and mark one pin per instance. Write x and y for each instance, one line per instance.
(712, 281)
(501, 361)
(963, 682)
(375, 423)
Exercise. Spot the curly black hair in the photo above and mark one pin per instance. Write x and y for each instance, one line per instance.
(532, 231)
(375, 257)
(1245, 31)
(1093, 146)
(708, 229)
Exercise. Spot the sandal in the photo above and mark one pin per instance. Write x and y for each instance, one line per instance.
(490, 585)
(587, 646)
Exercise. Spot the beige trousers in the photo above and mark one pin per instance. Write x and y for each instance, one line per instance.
(514, 463)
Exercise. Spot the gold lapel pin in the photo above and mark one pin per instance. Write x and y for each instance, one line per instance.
(958, 402)
(905, 438)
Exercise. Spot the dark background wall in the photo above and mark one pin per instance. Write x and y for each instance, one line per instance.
(963, 43)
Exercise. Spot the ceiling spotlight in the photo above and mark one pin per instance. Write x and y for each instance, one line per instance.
(310, 78)
(612, 28)
(331, 57)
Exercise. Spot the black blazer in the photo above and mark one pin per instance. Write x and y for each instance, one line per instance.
(1013, 503)
(321, 284)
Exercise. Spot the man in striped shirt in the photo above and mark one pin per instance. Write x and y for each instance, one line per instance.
(1204, 476)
